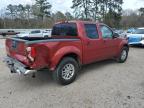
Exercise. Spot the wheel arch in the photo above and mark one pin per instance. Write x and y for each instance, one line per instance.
(72, 52)
(126, 45)
(74, 56)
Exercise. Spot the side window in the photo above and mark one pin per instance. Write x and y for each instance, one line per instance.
(32, 32)
(106, 32)
(91, 31)
(36, 31)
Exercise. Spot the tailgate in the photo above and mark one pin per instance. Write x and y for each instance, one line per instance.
(16, 49)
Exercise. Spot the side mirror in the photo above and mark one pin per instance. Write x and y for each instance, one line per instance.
(115, 35)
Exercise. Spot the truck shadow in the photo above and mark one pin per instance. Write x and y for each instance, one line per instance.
(137, 46)
(95, 66)
(41, 78)
(45, 77)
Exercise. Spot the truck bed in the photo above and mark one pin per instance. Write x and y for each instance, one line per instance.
(44, 38)
(32, 38)
(16, 47)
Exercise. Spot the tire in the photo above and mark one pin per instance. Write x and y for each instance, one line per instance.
(123, 55)
(4, 34)
(65, 75)
(46, 36)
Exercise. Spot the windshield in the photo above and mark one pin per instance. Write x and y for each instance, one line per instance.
(119, 31)
(139, 31)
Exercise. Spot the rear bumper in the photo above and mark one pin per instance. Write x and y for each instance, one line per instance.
(17, 67)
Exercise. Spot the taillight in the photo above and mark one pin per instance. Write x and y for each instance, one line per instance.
(31, 53)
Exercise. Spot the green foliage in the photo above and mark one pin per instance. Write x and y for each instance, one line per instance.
(132, 18)
(43, 8)
(113, 19)
(141, 11)
(38, 15)
(11, 10)
(102, 10)
(28, 16)
(68, 16)
(81, 8)
(1, 23)
(59, 16)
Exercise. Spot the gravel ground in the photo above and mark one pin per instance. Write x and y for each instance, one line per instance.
(105, 84)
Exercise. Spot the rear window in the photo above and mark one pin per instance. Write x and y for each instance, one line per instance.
(65, 29)
(91, 31)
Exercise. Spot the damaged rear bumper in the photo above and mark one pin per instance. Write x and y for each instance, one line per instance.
(17, 67)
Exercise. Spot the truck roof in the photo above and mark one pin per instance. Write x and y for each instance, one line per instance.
(78, 21)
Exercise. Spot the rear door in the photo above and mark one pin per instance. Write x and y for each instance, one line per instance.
(110, 44)
(92, 47)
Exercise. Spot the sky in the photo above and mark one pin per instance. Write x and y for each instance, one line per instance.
(64, 5)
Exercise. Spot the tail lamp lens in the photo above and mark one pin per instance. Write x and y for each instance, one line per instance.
(31, 53)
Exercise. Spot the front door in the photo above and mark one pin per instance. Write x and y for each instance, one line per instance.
(110, 44)
(92, 46)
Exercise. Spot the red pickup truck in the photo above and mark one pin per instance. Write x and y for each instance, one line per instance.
(73, 44)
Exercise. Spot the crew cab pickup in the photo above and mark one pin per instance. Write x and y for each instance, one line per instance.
(73, 44)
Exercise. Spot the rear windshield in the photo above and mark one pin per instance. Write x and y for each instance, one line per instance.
(65, 29)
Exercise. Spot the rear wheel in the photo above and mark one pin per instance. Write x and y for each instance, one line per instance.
(66, 71)
(123, 56)
(46, 36)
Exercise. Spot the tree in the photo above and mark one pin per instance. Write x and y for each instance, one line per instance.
(21, 11)
(59, 16)
(10, 10)
(1, 25)
(113, 14)
(43, 7)
(81, 8)
(95, 9)
(68, 16)
(132, 18)
(141, 11)
(108, 11)
(28, 11)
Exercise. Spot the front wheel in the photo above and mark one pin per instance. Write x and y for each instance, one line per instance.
(66, 71)
(123, 55)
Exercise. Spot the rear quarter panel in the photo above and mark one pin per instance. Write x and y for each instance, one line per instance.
(49, 54)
